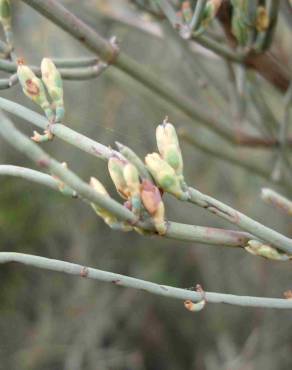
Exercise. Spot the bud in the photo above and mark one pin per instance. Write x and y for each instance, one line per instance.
(195, 307)
(164, 175)
(131, 177)
(262, 19)
(186, 10)
(116, 169)
(47, 136)
(168, 146)
(210, 11)
(108, 218)
(53, 81)
(34, 89)
(239, 28)
(152, 201)
(259, 249)
(5, 19)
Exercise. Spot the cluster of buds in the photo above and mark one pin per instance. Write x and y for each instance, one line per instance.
(141, 189)
(35, 88)
(108, 218)
(263, 250)
(251, 24)
(5, 19)
(167, 166)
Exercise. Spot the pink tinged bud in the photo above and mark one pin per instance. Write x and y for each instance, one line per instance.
(150, 195)
(195, 307)
(33, 88)
(152, 202)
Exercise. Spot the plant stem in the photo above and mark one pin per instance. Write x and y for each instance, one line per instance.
(277, 200)
(129, 282)
(198, 12)
(22, 143)
(28, 174)
(80, 73)
(59, 130)
(177, 231)
(244, 222)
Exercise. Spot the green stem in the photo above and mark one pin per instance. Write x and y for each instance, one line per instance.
(199, 10)
(129, 282)
(22, 143)
(277, 200)
(244, 222)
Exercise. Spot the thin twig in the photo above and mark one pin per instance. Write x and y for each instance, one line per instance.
(206, 235)
(199, 9)
(244, 222)
(129, 282)
(277, 200)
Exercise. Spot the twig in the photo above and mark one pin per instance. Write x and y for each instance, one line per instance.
(70, 73)
(20, 142)
(244, 222)
(32, 175)
(59, 130)
(129, 282)
(122, 213)
(199, 9)
(277, 200)
(206, 235)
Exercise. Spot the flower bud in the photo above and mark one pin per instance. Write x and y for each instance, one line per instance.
(210, 11)
(195, 307)
(164, 175)
(131, 177)
(116, 169)
(262, 19)
(152, 201)
(34, 89)
(259, 249)
(238, 27)
(187, 11)
(108, 218)
(53, 81)
(168, 146)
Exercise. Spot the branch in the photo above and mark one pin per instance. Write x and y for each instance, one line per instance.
(73, 181)
(153, 288)
(277, 200)
(178, 231)
(244, 222)
(22, 143)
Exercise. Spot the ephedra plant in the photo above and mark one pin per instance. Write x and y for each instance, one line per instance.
(240, 34)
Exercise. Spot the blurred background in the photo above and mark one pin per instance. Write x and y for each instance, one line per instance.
(51, 321)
